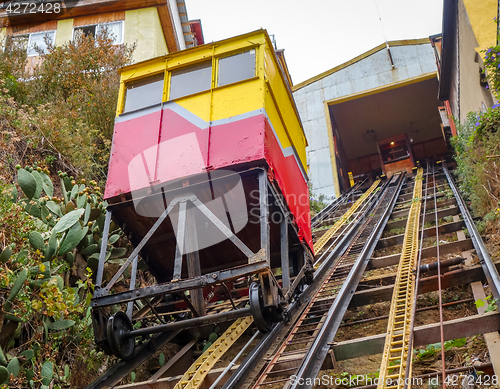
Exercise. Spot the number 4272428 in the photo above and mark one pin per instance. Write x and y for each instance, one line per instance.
(32, 8)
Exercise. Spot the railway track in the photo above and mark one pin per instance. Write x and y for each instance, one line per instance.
(307, 344)
(321, 313)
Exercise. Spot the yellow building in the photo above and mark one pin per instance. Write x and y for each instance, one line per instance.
(469, 27)
(156, 28)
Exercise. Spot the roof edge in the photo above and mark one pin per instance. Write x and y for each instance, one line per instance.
(403, 42)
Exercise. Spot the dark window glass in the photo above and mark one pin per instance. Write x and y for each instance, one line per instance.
(114, 31)
(84, 31)
(236, 67)
(190, 80)
(144, 93)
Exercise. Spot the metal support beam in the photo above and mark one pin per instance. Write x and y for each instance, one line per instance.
(193, 263)
(133, 277)
(190, 323)
(182, 285)
(139, 247)
(285, 266)
(264, 215)
(222, 227)
(104, 245)
(179, 248)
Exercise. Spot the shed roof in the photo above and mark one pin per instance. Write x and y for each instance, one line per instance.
(382, 46)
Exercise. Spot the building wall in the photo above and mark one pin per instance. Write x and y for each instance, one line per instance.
(473, 96)
(141, 27)
(481, 16)
(64, 32)
(366, 73)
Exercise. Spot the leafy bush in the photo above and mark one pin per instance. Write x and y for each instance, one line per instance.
(477, 147)
(477, 150)
(316, 202)
(58, 116)
(491, 60)
(63, 110)
(46, 279)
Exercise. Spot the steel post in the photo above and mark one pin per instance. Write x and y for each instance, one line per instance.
(285, 266)
(264, 215)
(133, 277)
(102, 254)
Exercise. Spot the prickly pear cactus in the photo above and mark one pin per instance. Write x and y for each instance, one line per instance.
(73, 222)
(46, 281)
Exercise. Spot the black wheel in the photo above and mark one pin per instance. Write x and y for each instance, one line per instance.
(309, 277)
(119, 325)
(262, 320)
(299, 289)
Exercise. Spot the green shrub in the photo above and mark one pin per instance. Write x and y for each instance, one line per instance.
(63, 110)
(45, 321)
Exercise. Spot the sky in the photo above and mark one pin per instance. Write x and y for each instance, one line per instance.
(318, 35)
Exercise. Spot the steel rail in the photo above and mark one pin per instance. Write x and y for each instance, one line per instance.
(358, 217)
(417, 280)
(339, 201)
(339, 247)
(401, 312)
(321, 242)
(256, 354)
(440, 294)
(326, 287)
(489, 268)
(235, 359)
(318, 350)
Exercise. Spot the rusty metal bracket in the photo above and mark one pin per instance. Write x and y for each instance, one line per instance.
(102, 299)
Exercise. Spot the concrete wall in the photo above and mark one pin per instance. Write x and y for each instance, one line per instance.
(64, 32)
(481, 14)
(472, 96)
(367, 74)
(143, 28)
